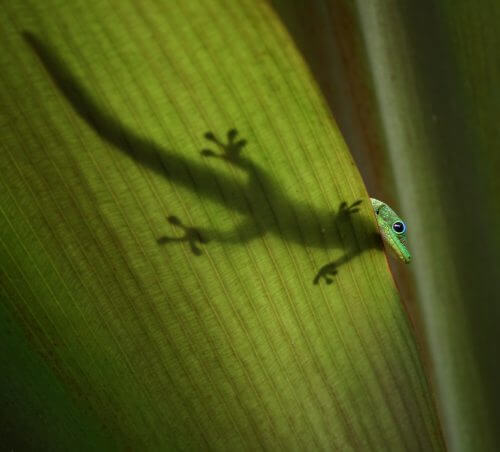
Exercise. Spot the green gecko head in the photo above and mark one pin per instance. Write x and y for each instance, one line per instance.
(393, 229)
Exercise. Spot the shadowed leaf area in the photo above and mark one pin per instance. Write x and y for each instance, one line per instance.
(264, 202)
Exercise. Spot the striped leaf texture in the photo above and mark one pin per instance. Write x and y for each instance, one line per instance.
(189, 258)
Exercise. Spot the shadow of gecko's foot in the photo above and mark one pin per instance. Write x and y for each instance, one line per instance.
(326, 272)
(191, 235)
(230, 151)
(345, 210)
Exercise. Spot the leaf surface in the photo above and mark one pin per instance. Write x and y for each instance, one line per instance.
(112, 113)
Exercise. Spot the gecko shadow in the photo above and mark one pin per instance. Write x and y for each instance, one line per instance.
(267, 208)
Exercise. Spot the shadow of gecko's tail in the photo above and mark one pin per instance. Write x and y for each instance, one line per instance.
(107, 127)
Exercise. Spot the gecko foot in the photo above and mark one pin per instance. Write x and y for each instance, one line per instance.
(230, 151)
(191, 235)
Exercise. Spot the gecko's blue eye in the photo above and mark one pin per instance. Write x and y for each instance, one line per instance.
(398, 227)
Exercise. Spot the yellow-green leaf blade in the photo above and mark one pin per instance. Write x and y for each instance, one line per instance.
(108, 108)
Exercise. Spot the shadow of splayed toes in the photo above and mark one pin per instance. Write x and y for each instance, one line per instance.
(191, 235)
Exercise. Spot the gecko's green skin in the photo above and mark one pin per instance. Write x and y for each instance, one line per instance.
(392, 229)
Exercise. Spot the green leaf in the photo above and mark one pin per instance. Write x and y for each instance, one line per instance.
(164, 295)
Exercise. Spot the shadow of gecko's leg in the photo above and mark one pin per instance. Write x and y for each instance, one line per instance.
(191, 235)
(328, 271)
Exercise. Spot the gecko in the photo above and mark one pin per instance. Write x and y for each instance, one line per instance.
(392, 229)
